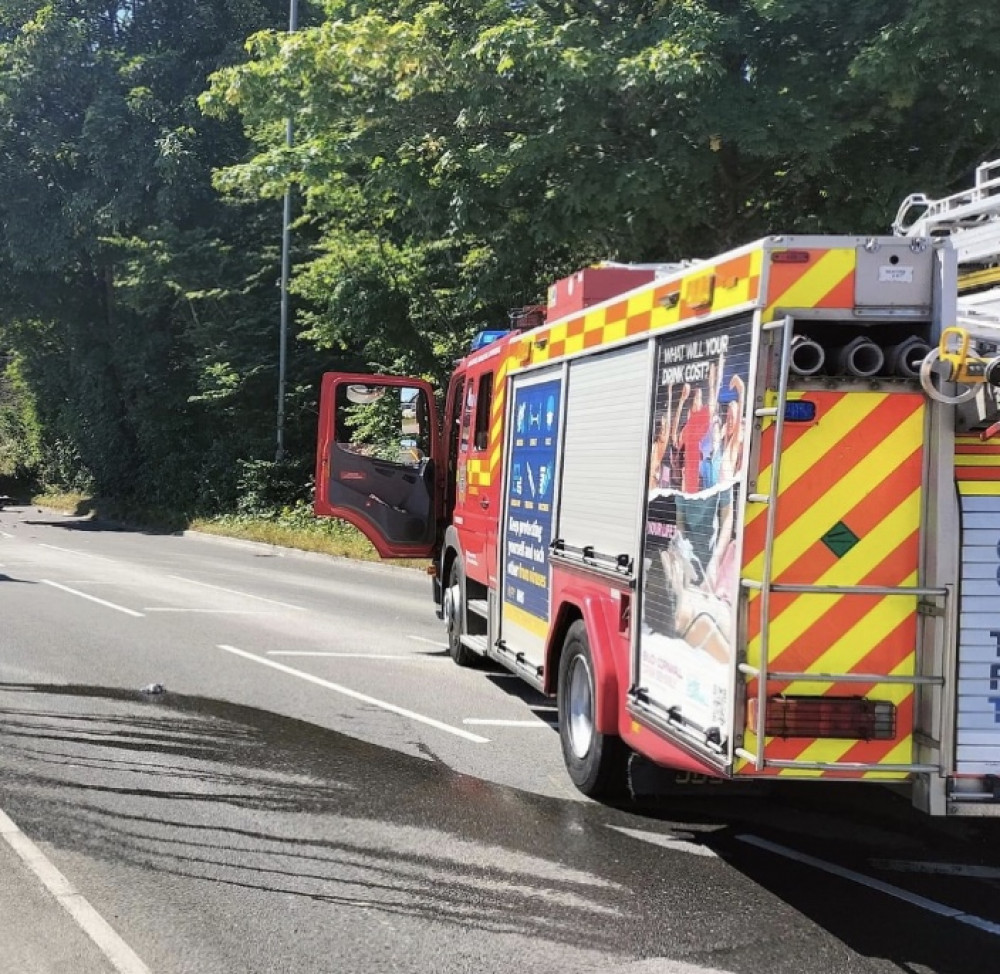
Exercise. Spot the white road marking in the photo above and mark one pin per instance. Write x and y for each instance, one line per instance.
(487, 722)
(667, 841)
(74, 551)
(429, 642)
(379, 656)
(92, 598)
(354, 695)
(914, 899)
(232, 591)
(4, 534)
(226, 612)
(938, 868)
(121, 956)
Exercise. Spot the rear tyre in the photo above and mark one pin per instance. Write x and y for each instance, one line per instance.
(454, 616)
(597, 763)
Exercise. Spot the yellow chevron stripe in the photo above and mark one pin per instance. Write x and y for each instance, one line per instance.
(799, 457)
(859, 640)
(816, 282)
(846, 493)
(826, 749)
(902, 753)
(789, 625)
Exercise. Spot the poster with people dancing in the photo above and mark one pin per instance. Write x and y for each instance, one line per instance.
(691, 583)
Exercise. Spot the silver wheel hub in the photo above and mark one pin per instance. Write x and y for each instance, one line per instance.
(452, 598)
(580, 704)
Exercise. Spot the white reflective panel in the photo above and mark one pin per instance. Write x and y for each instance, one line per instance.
(978, 706)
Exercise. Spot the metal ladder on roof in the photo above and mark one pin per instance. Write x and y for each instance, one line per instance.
(971, 219)
(766, 585)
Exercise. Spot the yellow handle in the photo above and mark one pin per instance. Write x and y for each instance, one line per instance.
(962, 351)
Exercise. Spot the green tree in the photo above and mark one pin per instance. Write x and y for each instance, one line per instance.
(454, 157)
(142, 308)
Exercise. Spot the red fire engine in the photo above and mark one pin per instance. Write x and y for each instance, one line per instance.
(740, 516)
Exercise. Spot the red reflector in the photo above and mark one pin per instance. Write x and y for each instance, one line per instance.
(853, 718)
(790, 256)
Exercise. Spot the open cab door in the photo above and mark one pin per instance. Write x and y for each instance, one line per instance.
(377, 463)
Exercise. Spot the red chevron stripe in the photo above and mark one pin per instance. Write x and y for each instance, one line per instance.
(853, 446)
(872, 752)
(845, 613)
(808, 568)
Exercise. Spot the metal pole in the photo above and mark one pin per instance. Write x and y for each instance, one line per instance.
(286, 268)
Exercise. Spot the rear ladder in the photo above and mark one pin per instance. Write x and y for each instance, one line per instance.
(765, 586)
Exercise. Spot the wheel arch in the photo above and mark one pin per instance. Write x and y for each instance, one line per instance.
(575, 606)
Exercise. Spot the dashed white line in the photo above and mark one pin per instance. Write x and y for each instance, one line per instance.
(226, 612)
(4, 534)
(490, 722)
(376, 656)
(232, 591)
(122, 957)
(938, 868)
(429, 642)
(354, 695)
(914, 899)
(92, 598)
(76, 551)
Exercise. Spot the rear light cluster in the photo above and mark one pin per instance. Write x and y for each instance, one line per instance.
(853, 718)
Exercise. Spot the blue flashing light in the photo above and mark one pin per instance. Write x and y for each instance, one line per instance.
(800, 411)
(485, 338)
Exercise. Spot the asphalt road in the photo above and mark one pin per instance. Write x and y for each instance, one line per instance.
(318, 789)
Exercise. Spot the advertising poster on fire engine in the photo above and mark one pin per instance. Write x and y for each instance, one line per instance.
(686, 651)
(528, 530)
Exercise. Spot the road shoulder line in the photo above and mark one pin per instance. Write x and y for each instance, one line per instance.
(122, 957)
(914, 899)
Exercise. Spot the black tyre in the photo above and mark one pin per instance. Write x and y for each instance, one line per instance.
(597, 763)
(454, 618)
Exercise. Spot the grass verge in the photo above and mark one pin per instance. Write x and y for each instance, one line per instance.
(291, 528)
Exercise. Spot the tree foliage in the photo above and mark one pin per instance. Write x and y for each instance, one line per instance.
(456, 156)
(142, 308)
(451, 158)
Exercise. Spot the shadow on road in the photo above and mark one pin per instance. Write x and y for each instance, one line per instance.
(229, 795)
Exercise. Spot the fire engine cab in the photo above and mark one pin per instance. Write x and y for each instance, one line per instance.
(740, 516)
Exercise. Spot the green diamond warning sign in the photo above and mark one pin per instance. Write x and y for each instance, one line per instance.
(840, 539)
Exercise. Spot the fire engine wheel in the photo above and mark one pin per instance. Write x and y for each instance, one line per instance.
(454, 614)
(597, 763)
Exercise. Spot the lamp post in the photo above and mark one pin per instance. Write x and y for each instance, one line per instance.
(286, 268)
